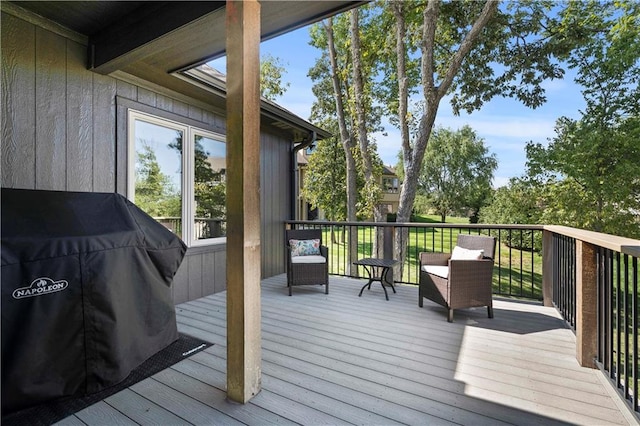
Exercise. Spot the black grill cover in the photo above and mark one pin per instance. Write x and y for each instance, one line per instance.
(86, 292)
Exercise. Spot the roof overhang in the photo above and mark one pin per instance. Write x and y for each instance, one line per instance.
(161, 42)
(169, 35)
(214, 82)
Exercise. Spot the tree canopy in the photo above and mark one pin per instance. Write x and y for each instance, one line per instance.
(343, 87)
(154, 191)
(590, 169)
(400, 59)
(272, 72)
(457, 172)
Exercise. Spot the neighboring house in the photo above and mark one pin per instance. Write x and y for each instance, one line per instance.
(305, 211)
(390, 189)
(78, 122)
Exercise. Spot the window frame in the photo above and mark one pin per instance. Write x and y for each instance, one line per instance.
(188, 168)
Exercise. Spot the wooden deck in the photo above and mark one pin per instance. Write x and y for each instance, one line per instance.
(341, 359)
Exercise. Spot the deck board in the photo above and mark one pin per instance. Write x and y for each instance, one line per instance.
(344, 359)
(141, 410)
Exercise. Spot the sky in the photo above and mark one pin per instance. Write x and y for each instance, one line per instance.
(504, 124)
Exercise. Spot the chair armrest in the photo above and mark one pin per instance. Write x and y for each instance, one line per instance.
(470, 272)
(441, 259)
(324, 251)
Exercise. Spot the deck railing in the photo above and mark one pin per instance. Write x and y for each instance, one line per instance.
(564, 277)
(518, 260)
(596, 290)
(591, 278)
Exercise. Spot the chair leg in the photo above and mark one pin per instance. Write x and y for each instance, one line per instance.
(326, 288)
(290, 287)
(450, 315)
(490, 311)
(419, 297)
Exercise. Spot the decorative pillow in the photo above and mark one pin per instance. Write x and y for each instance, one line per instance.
(460, 253)
(305, 247)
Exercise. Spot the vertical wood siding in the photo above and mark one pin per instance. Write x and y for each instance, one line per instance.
(18, 103)
(79, 120)
(62, 129)
(51, 110)
(275, 178)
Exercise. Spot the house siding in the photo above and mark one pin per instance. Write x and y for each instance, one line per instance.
(64, 128)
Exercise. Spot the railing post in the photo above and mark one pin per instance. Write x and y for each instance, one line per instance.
(352, 252)
(387, 247)
(586, 304)
(547, 267)
(389, 232)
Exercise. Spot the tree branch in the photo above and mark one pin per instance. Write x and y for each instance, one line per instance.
(489, 9)
(403, 86)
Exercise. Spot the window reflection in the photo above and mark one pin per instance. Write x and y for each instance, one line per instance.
(158, 173)
(180, 176)
(209, 188)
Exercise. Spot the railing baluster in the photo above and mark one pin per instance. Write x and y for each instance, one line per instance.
(634, 312)
(533, 282)
(617, 327)
(610, 296)
(499, 260)
(625, 327)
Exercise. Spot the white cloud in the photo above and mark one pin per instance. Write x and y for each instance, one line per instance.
(523, 128)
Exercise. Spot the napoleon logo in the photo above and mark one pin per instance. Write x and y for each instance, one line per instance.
(39, 287)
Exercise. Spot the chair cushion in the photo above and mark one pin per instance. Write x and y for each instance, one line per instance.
(308, 259)
(305, 247)
(461, 253)
(441, 271)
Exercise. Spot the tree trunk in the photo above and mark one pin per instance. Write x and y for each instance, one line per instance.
(433, 94)
(359, 100)
(347, 144)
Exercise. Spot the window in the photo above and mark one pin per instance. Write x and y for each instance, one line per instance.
(390, 184)
(181, 185)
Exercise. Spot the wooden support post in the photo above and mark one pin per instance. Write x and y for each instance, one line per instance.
(548, 257)
(243, 200)
(586, 304)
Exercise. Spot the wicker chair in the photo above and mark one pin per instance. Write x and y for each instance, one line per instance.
(455, 283)
(307, 270)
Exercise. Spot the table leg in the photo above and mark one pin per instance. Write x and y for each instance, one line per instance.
(370, 280)
(365, 286)
(385, 278)
(382, 275)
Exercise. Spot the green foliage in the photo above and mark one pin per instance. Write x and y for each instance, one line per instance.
(517, 203)
(422, 204)
(457, 171)
(325, 183)
(521, 41)
(590, 168)
(324, 111)
(520, 202)
(209, 185)
(154, 191)
(271, 74)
